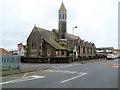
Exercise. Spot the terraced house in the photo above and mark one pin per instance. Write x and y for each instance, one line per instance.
(58, 43)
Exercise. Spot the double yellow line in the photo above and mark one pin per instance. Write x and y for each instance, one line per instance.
(24, 75)
(15, 77)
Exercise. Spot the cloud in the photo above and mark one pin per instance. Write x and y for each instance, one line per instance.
(96, 20)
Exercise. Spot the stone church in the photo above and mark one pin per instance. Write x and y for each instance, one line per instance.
(58, 43)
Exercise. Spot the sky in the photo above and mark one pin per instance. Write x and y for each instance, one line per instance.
(97, 20)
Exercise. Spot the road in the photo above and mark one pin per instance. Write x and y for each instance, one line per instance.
(100, 74)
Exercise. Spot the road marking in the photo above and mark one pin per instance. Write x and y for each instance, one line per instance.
(24, 75)
(8, 77)
(82, 74)
(67, 65)
(23, 79)
(114, 65)
(71, 72)
(48, 70)
(14, 77)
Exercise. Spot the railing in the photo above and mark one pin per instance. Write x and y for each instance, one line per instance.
(9, 62)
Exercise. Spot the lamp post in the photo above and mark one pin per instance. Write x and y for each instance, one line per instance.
(73, 40)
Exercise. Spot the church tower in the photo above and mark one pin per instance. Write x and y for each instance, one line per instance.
(62, 21)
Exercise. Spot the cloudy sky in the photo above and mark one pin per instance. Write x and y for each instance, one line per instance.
(97, 20)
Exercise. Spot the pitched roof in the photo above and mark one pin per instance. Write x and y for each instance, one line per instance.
(50, 38)
(68, 36)
(3, 51)
(62, 8)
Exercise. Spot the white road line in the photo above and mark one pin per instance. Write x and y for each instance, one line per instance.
(23, 79)
(115, 66)
(68, 65)
(71, 72)
(73, 78)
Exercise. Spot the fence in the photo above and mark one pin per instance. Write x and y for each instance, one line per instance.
(9, 62)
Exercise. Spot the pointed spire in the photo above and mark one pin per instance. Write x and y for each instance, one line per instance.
(62, 8)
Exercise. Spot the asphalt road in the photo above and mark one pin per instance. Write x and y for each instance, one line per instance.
(102, 74)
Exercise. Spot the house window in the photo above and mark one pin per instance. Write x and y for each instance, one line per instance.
(33, 46)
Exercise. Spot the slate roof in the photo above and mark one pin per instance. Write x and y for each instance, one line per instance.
(50, 38)
(62, 8)
(68, 36)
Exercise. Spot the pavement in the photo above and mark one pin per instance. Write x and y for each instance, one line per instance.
(26, 68)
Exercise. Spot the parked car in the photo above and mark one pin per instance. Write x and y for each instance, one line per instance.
(117, 56)
(110, 56)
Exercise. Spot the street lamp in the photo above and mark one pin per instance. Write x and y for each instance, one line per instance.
(73, 41)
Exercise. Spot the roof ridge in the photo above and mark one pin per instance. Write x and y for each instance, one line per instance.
(66, 33)
(43, 29)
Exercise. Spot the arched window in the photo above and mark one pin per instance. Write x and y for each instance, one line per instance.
(63, 36)
(78, 49)
(33, 46)
(94, 51)
(87, 50)
(62, 52)
(65, 16)
(62, 16)
(59, 16)
(83, 50)
(91, 50)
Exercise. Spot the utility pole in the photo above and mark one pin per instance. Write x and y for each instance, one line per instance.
(73, 41)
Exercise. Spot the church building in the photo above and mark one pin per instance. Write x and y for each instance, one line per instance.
(58, 43)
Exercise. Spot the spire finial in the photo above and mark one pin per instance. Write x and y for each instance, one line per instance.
(34, 25)
(62, 8)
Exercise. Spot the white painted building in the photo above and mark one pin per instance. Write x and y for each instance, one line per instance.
(21, 50)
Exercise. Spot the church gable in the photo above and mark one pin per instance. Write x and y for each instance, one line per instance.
(43, 41)
(34, 35)
(50, 38)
